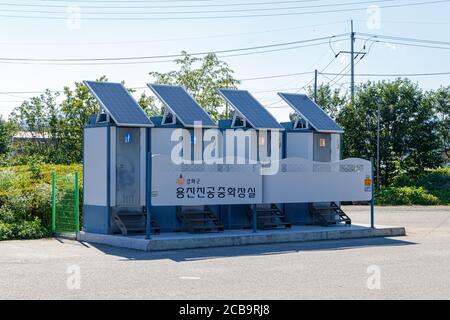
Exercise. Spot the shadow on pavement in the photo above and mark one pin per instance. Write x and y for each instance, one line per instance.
(252, 250)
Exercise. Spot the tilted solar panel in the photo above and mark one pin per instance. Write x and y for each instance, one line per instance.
(253, 111)
(118, 102)
(180, 103)
(311, 112)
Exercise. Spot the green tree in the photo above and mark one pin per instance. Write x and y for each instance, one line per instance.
(38, 120)
(202, 77)
(54, 130)
(330, 100)
(439, 101)
(148, 104)
(77, 108)
(6, 132)
(408, 128)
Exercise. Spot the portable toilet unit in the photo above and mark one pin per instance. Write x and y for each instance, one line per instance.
(181, 111)
(314, 136)
(115, 149)
(151, 174)
(250, 116)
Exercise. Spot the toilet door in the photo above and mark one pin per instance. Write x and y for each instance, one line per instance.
(322, 147)
(128, 167)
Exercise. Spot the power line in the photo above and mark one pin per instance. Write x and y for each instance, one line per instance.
(271, 105)
(378, 36)
(165, 12)
(287, 75)
(171, 39)
(6, 59)
(416, 22)
(277, 50)
(157, 6)
(187, 1)
(278, 76)
(136, 1)
(342, 73)
(392, 74)
(229, 16)
(407, 44)
(160, 61)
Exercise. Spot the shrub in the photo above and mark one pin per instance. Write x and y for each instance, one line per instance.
(6, 232)
(25, 198)
(8, 180)
(35, 168)
(15, 207)
(23, 230)
(30, 230)
(41, 205)
(406, 196)
(436, 180)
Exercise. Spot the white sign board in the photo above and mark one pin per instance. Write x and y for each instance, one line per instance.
(304, 181)
(201, 184)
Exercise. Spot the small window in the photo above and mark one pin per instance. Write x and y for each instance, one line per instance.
(323, 143)
(261, 141)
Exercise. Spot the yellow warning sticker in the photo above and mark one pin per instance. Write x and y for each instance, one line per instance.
(368, 182)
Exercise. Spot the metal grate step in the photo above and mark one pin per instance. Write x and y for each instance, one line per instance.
(270, 218)
(328, 214)
(199, 221)
(132, 221)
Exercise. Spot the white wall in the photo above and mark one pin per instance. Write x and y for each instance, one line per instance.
(161, 143)
(95, 166)
(304, 181)
(300, 145)
(335, 147)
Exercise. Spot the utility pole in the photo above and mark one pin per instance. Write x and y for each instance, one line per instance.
(315, 85)
(352, 38)
(352, 54)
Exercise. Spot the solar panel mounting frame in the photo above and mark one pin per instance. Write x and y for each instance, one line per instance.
(109, 113)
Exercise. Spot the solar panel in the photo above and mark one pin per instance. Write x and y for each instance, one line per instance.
(255, 114)
(311, 112)
(182, 105)
(120, 105)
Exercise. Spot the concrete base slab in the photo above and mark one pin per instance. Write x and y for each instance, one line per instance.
(177, 241)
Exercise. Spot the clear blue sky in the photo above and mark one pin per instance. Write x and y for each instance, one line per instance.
(53, 38)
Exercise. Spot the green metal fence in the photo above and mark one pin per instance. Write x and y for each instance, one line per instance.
(65, 204)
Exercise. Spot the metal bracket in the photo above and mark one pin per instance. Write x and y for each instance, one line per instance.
(168, 115)
(300, 123)
(237, 116)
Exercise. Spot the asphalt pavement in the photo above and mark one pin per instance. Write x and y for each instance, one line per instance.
(412, 267)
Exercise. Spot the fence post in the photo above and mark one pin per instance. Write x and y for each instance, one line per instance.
(53, 202)
(77, 205)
